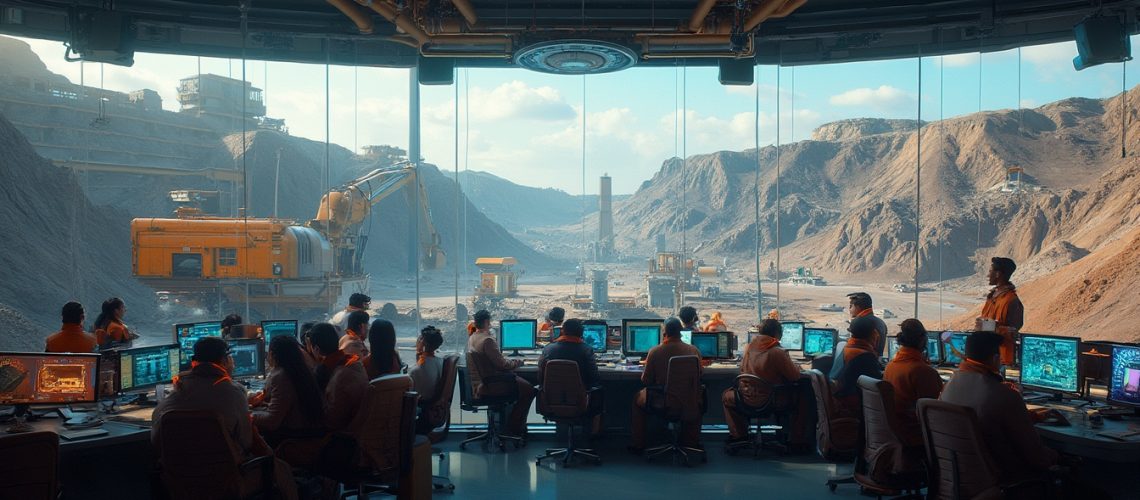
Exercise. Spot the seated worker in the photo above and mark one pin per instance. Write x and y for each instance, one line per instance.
(860, 306)
(912, 377)
(553, 318)
(340, 377)
(858, 358)
(207, 386)
(569, 346)
(655, 374)
(229, 321)
(485, 364)
(428, 369)
(109, 327)
(352, 343)
(716, 323)
(384, 359)
(291, 404)
(1005, 422)
(764, 358)
(71, 337)
(688, 317)
(356, 302)
(1003, 306)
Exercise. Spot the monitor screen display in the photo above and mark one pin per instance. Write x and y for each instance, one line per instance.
(933, 347)
(555, 332)
(686, 336)
(277, 328)
(818, 341)
(793, 339)
(515, 334)
(594, 335)
(146, 367)
(185, 335)
(957, 340)
(249, 360)
(892, 347)
(1124, 389)
(706, 343)
(27, 378)
(640, 336)
(1050, 363)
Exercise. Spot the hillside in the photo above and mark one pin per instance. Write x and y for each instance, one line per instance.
(519, 208)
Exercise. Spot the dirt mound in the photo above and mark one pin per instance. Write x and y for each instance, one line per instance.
(58, 246)
(845, 130)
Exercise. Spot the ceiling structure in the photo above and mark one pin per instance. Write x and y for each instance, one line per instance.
(576, 36)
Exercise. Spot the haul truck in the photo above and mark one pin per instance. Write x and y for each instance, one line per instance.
(277, 266)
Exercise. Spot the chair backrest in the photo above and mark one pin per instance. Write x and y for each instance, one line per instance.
(757, 396)
(836, 435)
(563, 394)
(30, 465)
(438, 410)
(962, 466)
(197, 455)
(683, 389)
(880, 428)
(380, 426)
(466, 393)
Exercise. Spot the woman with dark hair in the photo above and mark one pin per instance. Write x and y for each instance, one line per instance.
(384, 360)
(109, 327)
(291, 404)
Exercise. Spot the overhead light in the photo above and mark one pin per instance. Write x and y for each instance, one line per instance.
(576, 57)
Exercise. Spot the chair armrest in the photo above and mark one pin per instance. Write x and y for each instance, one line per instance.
(592, 390)
(255, 462)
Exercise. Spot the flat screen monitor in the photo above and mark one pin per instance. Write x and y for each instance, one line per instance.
(713, 345)
(958, 340)
(1050, 363)
(640, 335)
(1124, 387)
(934, 347)
(518, 334)
(818, 341)
(30, 378)
(594, 335)
(793, 339)
(892, 347)
(142, 368)
(555, 332)
(278, 328)
(686, 336)
(186, 334)
(249, 357)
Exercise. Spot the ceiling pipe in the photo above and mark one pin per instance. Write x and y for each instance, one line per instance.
(405, 23)
(787, 9)
(358, 16)
(697, 20)
(761, 13)
(466, 10)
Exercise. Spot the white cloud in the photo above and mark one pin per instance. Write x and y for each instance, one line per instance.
(1054, 55)
(961, 60)
(884, 98)
(515, 99)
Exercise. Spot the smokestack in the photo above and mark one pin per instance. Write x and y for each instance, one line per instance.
(605, 246)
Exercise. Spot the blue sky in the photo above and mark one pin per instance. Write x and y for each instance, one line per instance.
(527, 126)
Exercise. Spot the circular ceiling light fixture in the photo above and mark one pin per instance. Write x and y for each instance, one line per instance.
(575, 57)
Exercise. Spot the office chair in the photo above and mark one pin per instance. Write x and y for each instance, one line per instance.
(566, 401)
(198, 459)
(965, 468)
(759, 399)
(384, 429)
(31, 466)
(678, 401)
(888, 466)
(435, 417)
(496, 408)
(836, 435)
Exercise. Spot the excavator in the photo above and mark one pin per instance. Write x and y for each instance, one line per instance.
(277, 266)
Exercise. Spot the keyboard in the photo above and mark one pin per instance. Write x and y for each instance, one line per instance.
(83, 433)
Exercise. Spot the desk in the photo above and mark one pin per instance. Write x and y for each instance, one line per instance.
(115, 465)
(1082, 440)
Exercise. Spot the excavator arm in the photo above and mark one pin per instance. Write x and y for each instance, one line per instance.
(342, 211)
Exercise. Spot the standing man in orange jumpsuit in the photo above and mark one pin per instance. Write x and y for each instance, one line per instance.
(1003, 306)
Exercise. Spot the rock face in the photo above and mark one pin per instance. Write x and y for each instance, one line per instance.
(856, 128)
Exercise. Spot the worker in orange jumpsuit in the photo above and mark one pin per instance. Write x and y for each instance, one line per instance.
(71, 337)
(716, 323)
(553, 318)
(1003, 306)
(109, 326)
(912, 378)
(765, 358)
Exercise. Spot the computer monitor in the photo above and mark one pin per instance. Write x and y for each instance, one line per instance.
(278, 328)
(32, 378)
(186, 334)
(934, 347)
(892, 347)
(713, 345)
(594, 334)
(686, 336)
(555, 332)
(640, 335)
(1050, 363)
(249, 357)
(1124, 387)
(793, 339)
(142, 368)
(518, 334)
(958, 340)
(818, 341)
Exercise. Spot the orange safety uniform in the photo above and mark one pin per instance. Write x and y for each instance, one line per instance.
(912, 378)
(71, 338)
(1004, 307)
(115, 331)
(716, 325)
(764, 358)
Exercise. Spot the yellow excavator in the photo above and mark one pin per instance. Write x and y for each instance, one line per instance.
(278, 266)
